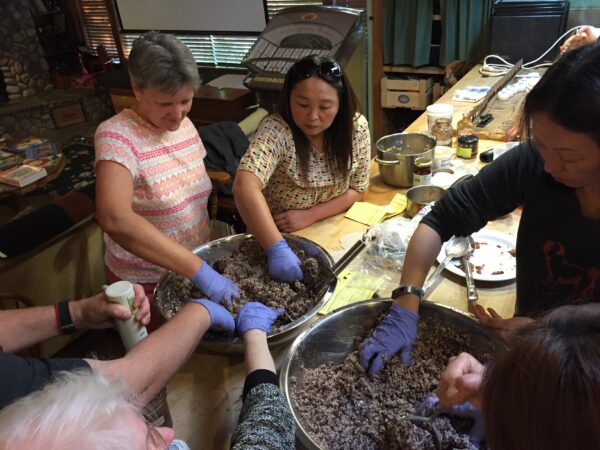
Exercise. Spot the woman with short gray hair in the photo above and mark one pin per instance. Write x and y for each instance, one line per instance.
(151, 184)
(162, 62)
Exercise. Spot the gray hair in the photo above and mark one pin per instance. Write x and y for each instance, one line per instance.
(79, 410)
(162, 62)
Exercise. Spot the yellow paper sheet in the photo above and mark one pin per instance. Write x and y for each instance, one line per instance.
(366, 213)
(352, 287)
(371, 214)
(396, 206)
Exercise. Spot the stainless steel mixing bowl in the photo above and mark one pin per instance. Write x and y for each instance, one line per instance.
(330, 339)
(223, 247)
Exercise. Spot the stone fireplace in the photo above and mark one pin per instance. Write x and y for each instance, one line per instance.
(22, 60)
(32, 97)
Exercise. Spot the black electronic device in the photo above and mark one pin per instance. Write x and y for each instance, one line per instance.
(526, 29)
(487, 156)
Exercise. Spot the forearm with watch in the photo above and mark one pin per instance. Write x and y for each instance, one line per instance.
(423, 248)
(22, 328)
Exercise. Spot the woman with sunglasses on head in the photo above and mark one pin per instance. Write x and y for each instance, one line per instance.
(306, 163)
(555, 177)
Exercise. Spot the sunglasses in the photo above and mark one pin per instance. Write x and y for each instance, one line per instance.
(331, 71)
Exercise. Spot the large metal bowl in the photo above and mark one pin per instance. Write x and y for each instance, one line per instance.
(223, 247)
(331, 339)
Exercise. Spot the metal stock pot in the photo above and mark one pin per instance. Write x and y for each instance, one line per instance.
(396, 154)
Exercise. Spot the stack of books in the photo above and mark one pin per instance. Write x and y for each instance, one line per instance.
(8, 160)
(31, 148)
(22, 175)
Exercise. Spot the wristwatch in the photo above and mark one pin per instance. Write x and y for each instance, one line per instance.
(63, 318)
(407, 289)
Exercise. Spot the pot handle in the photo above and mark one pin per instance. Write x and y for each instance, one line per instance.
(387, 163)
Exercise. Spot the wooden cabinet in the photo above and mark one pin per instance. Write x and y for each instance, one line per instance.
(57, 41)
(210, 105)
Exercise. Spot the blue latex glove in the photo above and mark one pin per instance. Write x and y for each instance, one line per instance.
(397, 332)
(255, 315)
(218, 288)
(219, 317)
(283, 263)
(465, 411)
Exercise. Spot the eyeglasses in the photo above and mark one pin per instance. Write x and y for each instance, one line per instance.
(154, 440)
(329, 70)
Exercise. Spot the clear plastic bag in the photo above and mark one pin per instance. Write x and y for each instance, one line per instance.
(386, 244)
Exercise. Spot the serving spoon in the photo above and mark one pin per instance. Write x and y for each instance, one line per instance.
(456, 247)
(472, 295)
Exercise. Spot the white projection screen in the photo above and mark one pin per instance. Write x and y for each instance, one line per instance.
(192, 15)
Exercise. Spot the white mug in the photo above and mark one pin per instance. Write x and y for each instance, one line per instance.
(130, 330)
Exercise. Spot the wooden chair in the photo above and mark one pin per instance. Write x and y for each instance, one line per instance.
(220, 202)
(18, 301)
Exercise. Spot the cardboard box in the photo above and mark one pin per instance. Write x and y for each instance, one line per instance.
(68, 115)
(413, 93)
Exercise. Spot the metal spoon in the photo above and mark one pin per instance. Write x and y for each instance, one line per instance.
(420, 421)
(455, 248)
(472, 295)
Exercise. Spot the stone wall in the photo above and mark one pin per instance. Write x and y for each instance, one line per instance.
(22, 60)
(33, 116)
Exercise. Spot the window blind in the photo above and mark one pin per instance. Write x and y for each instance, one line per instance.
(221, 51)
(97, 26)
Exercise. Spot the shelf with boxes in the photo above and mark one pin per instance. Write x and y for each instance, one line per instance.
(56, 38)
(411, 87)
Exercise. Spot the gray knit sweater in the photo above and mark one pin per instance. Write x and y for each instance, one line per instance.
(265, 422)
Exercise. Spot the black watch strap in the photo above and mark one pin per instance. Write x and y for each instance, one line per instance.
(63, 317)
(407, 289)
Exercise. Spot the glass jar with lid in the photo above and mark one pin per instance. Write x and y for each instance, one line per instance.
(422, 172)
(442, 131)
(467, 147)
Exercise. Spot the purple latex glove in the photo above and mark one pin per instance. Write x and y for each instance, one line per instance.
(220, 318)
(465, 411)
(283, 263)
(397, 332)
(218, 288)
(468, 411)
(256, 316)
(428, 406)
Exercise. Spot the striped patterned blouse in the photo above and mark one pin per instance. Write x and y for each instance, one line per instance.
(170, 185)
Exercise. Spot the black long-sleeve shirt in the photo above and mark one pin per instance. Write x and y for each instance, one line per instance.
(558, 248)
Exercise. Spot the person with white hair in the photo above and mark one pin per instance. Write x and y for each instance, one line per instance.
(145, 369)
(88, 410)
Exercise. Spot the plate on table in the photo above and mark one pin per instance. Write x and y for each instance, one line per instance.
(493, 258)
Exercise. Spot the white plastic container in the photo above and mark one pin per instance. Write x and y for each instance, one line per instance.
(438, 111)
(130, 330)
(442, 155)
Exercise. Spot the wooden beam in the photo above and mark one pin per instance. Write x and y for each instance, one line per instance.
(376, 20)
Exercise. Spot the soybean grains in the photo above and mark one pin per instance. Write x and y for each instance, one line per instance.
(247, 267)
(346, 409)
